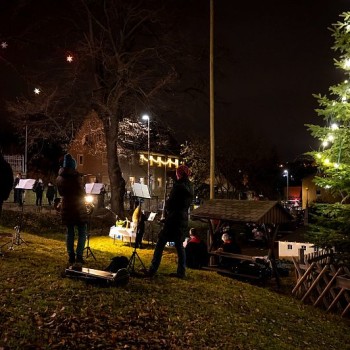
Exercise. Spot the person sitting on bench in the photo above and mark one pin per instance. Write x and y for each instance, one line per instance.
(229, 245)
(196, 251)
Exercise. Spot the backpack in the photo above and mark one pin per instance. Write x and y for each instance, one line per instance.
(117, 263)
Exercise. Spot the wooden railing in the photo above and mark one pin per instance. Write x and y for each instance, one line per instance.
(322, 282)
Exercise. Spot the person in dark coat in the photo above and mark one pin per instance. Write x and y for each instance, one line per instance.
(176, 222)
(50, 193)
(231, 246)
(39, 190)
(17, 192)
(6, 180)
(73, 209)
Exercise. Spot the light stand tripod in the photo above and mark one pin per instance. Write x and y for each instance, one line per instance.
(89, 209)
(16, 237)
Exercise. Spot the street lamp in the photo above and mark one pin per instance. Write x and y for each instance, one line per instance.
(146, 117)
(286, 173)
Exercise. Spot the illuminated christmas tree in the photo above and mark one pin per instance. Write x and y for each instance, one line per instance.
(332, 221)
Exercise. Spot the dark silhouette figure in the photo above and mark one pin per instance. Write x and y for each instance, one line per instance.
(6, 180)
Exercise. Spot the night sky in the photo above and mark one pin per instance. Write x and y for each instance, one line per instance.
(281, 55)
(270, 57)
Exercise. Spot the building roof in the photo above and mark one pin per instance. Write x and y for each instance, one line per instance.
(243, 211)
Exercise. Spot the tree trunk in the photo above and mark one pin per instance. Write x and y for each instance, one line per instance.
(117, 183)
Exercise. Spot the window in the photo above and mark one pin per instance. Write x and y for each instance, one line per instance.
(142, 180)
(303, 247)
(159, 182)
(80, 159)
(290, 247)
(132, 180)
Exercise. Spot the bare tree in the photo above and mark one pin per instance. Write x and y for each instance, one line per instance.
(121, 64)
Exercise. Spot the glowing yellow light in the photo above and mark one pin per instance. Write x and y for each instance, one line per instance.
(37, 91)
(318, 155)
(347, 63)
(326, 161)
(336, 165)
(325, 143)
(89, 199)
(69, 58)
(334, 126)
(330, 137)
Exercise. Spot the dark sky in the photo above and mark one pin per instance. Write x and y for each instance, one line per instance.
(270, 57)
(280, 54)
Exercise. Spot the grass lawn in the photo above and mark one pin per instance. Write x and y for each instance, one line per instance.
(42, 309)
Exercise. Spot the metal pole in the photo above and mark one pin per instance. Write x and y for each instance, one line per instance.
(26, 152)
(149, 159)
(212, 131)
(287, 186)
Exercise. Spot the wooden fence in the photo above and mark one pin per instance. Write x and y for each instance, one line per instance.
(323, 282)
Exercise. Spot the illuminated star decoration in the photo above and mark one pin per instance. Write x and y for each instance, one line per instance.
(4, 45)
(37, 91)
(69, 58)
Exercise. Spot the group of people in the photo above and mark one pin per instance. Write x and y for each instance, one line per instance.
(192, 252)
(38, 189)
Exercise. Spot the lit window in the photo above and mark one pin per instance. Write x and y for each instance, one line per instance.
(159, 182)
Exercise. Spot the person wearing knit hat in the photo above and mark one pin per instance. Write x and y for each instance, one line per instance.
(176, 222)
(73, 210)
(182, 171)
(69, 162)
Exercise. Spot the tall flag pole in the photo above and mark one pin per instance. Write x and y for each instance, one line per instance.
(212, 130)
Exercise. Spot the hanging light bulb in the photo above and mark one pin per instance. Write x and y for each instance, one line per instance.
(334, 126)
(330, 137)
(347, 63)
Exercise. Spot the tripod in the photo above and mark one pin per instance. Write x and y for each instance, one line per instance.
(87, 248)
(16, 237)
(132, 260)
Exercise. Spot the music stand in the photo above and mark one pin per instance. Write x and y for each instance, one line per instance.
(23, 184)
(92, 189)
(150, 219)
(140, 191)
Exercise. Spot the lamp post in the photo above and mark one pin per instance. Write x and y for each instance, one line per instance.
(146, 117)
(286, 173)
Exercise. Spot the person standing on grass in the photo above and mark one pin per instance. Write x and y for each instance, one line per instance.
(6, 180)
(73, 210)
(50, 193)
(175, 226)
(39, 190)
(138, 219)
